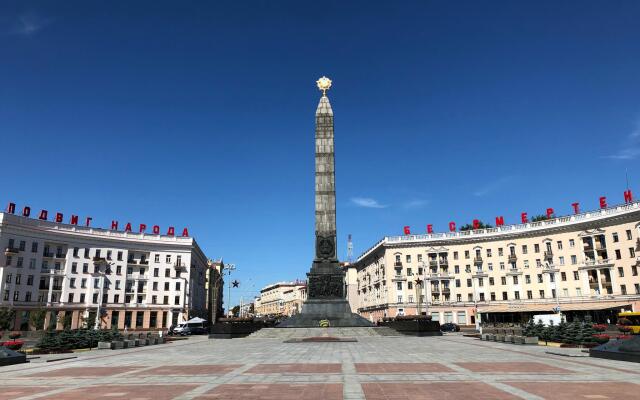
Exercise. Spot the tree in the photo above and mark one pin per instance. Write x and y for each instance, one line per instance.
(7, 316)
(481, 225)
(37, 317)
(235, 311)
(540, 217)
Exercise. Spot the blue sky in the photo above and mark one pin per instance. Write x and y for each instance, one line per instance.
(201, 114)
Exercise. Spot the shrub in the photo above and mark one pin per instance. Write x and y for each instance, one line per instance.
(13, 345)
(601, 338)
(624, 328)
(76, 339)
(600, 327)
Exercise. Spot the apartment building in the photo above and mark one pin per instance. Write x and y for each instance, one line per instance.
(576, 264)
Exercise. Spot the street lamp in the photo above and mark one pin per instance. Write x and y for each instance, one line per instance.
(100, 262)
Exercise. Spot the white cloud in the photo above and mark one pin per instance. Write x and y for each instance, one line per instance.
(631, 146)
(367, 202)
(491, 186)
(29, 24)
(417, 203)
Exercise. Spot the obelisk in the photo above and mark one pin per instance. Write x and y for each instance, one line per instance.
(325, 289)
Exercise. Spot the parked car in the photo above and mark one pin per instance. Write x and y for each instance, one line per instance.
(182, 330)
(449, 327)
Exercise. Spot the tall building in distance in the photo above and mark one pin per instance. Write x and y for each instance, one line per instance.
(586, 263)
(79, 274)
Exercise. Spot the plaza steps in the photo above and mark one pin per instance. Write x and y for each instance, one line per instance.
(342, 332)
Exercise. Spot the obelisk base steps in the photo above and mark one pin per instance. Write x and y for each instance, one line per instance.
(336, 311)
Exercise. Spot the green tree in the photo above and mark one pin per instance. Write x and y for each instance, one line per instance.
(37, 317)
(235, 311)
(7, 316)
(481, 225)
(540, 217)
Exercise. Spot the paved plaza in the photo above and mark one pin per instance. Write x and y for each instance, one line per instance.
(374, 368)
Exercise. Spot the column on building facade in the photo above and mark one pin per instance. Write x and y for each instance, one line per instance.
(584, 279)
(75, 319)
(50, 291)
(146, 317)
(612, 277)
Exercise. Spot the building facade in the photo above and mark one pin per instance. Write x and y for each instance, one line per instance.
(75, 275)
(282, 298)
(582, 263)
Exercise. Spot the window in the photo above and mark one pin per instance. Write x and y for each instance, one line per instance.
(615, 237)
(491, 281)
(165, 300)
(623, 289)
(156, 272)
(565, 292)
(166, 285)
(493, 296)
(527, 279)
(456, 269)
(72, 282)
(85, 268)
(634, 270)
(552, 277)
(410, 299)
(517, 295)
(503, 280)
(155, 285)
(574, 260)
(119, 256)
(578, 292)
(466, 254)
(542, 294)
(399, 298)
(539, 278)
(32, 263)
(116, 298)
(458, 297)
(629, 237)
(515, 279)
(117, 285)
(20, 262)
(561, 258)
(632, 252)
(637, 286)
(526, 263)
(469, 283)
(86, 254)
(82, 297)
(29, 280)
(470, 297)
(8, 260)
(482, 297)
(618, 254)
(621, 272)
(9, 276)
(536, 248)
(480, 282)
(168, 260)
(409, 286)
(95, 298)
(83, 283)
(408, 257)
(490, 265)
(524, 249)
(119, 270)
(419, 257)
(458, 283)
(409, 273)
(109, 254)
(502, 266)
(488, 253)
(167, 272)
(563, 276)
(467, 268)
(455, 255)
(399, 285)
(559, 245)
(500, 252)
(529, 294)
(505, 296)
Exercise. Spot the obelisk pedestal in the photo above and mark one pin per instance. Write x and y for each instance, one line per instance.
(325, 287)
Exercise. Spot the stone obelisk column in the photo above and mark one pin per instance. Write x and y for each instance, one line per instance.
(325, 290)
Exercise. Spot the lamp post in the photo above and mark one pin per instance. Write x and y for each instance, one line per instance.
(99, 263)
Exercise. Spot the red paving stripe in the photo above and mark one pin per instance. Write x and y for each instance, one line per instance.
(400, 368)
(13, 392)
(434, 391)
(275, 391)
(546, 357)
(178, 370)
(580, 390)
(124, 392)
(296, 369)
(83, 372)
(515, 367)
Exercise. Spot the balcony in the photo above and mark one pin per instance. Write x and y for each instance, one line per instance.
(399, 278)
(132, 261)
(444, 261)
(513, 258)
(144, 262)
(446, 290)
(61, 255)
(599, 263)
(433, 263)
(477, 260)
(514, 271)
(11, 251)
(548, 255)
(47, 255)
(397, 264)
(180, 266)
(51, 271)
(479, 274)
(99, 260)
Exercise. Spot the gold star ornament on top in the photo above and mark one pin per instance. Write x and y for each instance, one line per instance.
(324, 84)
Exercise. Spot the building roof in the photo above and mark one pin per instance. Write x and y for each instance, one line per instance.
(550, 226)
